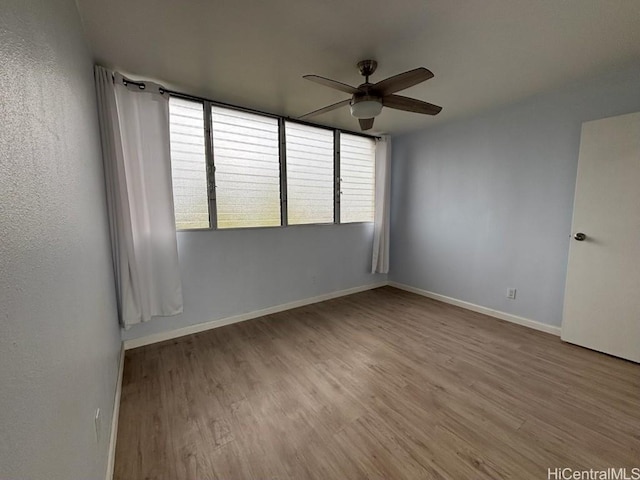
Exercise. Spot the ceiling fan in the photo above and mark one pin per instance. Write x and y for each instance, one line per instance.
(368, 99)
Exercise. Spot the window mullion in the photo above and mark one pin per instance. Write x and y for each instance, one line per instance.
(211, 169)
(283, 173)
(336, 170)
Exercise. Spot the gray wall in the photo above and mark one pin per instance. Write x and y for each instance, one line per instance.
(226, 273)
(59, 336)
(486, 203)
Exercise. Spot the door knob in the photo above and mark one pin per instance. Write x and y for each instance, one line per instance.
(581, 237)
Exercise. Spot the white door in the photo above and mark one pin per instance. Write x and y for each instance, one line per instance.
(602, 296)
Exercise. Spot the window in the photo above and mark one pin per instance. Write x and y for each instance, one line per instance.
(357, 178)
(266, 171)
(188, 164)
(310, 177)
(247, 168)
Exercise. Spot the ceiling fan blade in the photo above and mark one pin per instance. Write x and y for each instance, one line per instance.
(365, 123)
(401, 81)
(327, 82)
(410, 105)
(326, 109)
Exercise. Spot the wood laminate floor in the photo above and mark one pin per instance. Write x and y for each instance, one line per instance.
(381, 384)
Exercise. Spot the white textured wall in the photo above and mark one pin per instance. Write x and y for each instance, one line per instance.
(485, 203)
(227, 273)
(59, 338)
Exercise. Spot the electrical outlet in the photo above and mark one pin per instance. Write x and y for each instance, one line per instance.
(97, 420)
(511, 293)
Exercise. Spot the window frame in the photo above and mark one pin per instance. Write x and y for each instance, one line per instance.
(215, 186)
(282, 152)
(341, 180)
(336, 177)
(209, 164)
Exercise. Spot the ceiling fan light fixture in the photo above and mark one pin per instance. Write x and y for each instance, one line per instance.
(366, 107)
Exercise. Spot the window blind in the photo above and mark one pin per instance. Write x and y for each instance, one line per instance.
(247, 174)
(310, 176)
(188, 163)
(357, 178)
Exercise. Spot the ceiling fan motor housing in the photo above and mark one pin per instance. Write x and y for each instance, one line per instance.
(367, 67)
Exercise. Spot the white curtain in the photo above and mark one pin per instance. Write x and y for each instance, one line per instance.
(134, 127)
(380, 260)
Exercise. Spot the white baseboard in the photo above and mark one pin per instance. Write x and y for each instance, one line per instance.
(526, 322)
(114, 420)
(201, 327)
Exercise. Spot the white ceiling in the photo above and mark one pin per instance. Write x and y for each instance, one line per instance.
(253, 53)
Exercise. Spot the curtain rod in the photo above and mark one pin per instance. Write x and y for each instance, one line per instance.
(143, 85)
